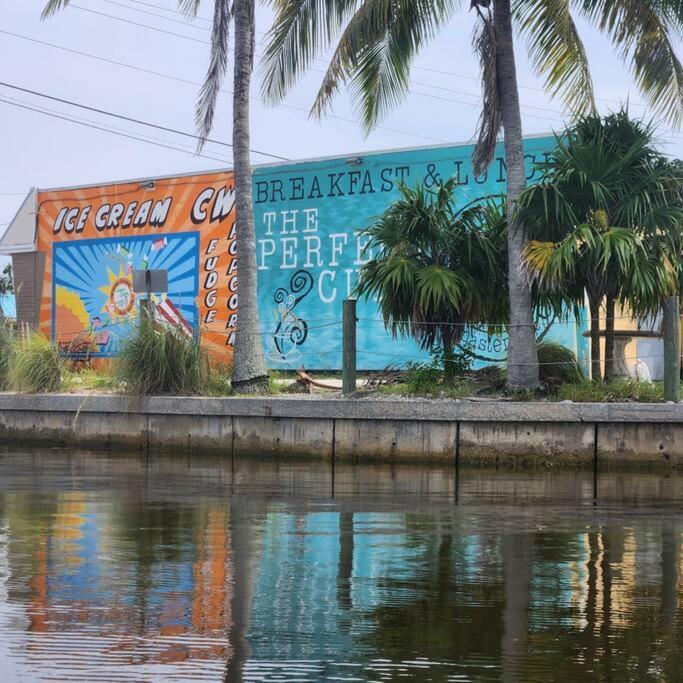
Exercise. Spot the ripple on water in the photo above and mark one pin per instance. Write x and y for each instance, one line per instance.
(143, 569)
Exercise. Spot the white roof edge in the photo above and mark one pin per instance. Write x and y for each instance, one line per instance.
(22, 227)
(277, 164)
(17, 248)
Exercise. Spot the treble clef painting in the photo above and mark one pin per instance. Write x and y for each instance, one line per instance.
(291, 330)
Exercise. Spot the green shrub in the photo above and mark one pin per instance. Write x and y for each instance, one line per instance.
(157, 359)
(422, 378)
(431, 377)
(6, 352)
(615, 391)
(557, 365)
(35, 365)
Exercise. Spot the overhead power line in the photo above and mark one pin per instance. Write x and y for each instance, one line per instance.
(188, 22)
(320, 71)
(70, 119)
(186, 81)
(130, 119)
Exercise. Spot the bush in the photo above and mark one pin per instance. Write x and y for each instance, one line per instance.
(422, 378)
(557, 365)
(6, 352)
(35, 365)
(619, 390)
(157, 359)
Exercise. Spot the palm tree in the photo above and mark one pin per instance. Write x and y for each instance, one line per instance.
(380, 38)
(594, 255)
(249, 373)
(435, 270)
(605, 173)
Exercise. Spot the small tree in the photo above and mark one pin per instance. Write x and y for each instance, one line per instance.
(605, 172)
(436, 270)
(594, 256)
(6, 280)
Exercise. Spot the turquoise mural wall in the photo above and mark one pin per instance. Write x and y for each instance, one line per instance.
(309, 222)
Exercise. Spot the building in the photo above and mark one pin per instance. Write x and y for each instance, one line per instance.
(74, 251)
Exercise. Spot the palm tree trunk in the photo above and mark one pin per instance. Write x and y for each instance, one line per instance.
(594, 307)
(249, 373)
(609, 337)
(522, 352)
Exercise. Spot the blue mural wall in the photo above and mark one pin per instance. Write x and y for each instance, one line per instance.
(92, 286)
(309, 220)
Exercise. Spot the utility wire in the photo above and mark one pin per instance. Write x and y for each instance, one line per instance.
(198, 84)
(417, 68)
(320, 71)
(109, 130)
(131, 119)
(179, 145)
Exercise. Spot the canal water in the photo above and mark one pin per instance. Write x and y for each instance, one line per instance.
(133, 569)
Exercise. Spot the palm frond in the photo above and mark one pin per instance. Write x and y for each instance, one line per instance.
(491, 118)
(301, 29)
(556, 51)
(374, 54)
(642, 31)
(218, 62)
(434, 270)
(189, 8)
(52, 7)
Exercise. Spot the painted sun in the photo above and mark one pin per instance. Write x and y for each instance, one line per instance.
(120, 302)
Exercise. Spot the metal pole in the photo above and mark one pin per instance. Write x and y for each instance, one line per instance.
(672, 352)
(349, 350)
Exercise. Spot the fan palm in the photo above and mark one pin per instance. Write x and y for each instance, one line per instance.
(434, 269)
(376, 41)
(249, 373)
(610, 169)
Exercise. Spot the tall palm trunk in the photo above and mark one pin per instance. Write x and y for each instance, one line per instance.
(594, 307)
(610, 305)
(249, 369)
(522, 353)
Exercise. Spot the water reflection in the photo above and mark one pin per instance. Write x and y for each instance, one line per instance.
(127, 568)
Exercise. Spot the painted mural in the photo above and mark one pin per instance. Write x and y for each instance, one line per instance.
(310, 218)
(92, 286)
(94, 238)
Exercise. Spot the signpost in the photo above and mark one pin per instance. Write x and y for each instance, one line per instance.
(146, 282)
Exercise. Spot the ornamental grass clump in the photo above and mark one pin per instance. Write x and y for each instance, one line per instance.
(161, 359)
(6, 353)
(35, 365)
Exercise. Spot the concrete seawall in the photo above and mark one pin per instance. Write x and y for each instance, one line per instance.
(352, 429)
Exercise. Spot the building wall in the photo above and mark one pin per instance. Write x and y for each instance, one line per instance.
(28, 269)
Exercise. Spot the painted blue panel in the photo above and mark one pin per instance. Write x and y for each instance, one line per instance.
(309, 217)
(8, 303)
(84, 272)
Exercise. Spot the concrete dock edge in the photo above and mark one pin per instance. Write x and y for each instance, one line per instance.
(490, 432)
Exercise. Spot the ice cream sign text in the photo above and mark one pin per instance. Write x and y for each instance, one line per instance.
(210, 204)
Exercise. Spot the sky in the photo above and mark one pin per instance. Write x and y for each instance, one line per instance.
(71, 55)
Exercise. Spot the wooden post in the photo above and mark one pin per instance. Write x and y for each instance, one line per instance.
(672, 354)
(349, 350)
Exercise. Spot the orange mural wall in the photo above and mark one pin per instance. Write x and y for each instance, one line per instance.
(94, 238)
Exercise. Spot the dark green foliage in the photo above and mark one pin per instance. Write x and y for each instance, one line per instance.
(620, 390)
(6, 352)
(557, 365)
(35, 365)
(436, 269)
(157, 359)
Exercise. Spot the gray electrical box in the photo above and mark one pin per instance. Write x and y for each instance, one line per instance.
(145, 281)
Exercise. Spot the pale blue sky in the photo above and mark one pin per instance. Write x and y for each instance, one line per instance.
(43, 151)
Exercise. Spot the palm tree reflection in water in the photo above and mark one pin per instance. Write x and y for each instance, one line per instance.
(159, 571)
